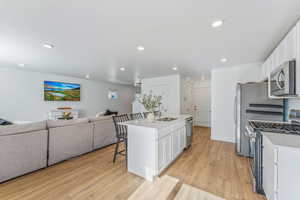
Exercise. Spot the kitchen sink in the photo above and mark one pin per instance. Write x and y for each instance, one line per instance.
(166, 119)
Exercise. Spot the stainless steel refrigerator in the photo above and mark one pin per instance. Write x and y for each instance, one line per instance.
(252, 103)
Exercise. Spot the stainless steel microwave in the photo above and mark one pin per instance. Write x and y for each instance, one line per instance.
(282, 82)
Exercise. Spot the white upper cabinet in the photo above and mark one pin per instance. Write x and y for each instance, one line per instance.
(290, 42)
(280, 53)
(272, 62)
(287, 49)
(263, 72)
(266, 67)
(275, 59)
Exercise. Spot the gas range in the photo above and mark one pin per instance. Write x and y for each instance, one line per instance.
(254, 131)
(275, 127)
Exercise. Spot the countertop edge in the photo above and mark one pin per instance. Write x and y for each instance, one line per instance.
(157, 125)
(283, 140)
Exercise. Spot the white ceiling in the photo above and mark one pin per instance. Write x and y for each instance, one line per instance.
(100, 36)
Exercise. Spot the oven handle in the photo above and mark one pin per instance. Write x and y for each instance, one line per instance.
(249, 133)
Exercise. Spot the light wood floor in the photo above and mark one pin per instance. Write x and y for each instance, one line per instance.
(209, 165)
(159, 189)
(192, 193)
(213, 166)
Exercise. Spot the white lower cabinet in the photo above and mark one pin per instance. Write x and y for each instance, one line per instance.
(269, 169)
(182, 138)
(164, 151)
(176, 143)
(170, 146)
(281, 175)
(152, 147)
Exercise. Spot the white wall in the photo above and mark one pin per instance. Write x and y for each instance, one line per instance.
(294, 103)
(21, 95)
(223, 91)
(169, 88)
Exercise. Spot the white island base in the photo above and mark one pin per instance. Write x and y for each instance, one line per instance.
(153, 146)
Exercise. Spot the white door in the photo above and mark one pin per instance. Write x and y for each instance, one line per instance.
(201, 106)
(176, 143)
(182, 138)
(164, 152)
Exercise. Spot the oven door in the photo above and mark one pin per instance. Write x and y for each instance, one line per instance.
(251, 135)
(252, 147)
(282, 82)
(252, 161)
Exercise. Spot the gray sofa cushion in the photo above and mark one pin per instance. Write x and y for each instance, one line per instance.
(69, 141)
(61, 123)
(22, 153)
(104, 133)
(22, 128)
(101, 118)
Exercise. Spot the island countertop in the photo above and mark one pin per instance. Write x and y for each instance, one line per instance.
(156, 124)
(287, 140)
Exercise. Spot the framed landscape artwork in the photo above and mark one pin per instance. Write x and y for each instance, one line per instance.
(60, 91)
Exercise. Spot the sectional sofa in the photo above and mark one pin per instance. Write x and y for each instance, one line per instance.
(28, 147)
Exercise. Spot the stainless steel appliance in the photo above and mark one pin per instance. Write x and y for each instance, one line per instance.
(252, 102)
(282, 82)
(189, 131)
(254, 132)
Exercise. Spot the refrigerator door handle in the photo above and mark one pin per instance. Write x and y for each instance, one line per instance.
(235, 110)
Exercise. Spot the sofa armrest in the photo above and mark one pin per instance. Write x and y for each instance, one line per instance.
(22, 128)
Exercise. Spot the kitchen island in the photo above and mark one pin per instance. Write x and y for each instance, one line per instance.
(153, 146)
(281, 163)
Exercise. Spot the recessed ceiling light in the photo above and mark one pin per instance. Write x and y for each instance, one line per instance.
(21, 65)
(217, 23)
(48, 45)
(122, 69)
(175, 68)
(87, 76)
(140, 48)
(224, 60)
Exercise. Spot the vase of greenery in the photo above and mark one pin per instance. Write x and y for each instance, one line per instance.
(151, 103)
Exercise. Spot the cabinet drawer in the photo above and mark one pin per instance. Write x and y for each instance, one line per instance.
(179, 125)
(165, 131)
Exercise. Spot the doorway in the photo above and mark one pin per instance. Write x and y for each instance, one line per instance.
(201, 98)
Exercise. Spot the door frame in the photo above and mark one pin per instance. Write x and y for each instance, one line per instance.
(202, 84)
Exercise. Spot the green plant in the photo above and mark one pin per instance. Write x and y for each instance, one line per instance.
(150, 101)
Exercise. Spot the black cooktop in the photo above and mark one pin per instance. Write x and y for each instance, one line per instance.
(285, 128)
